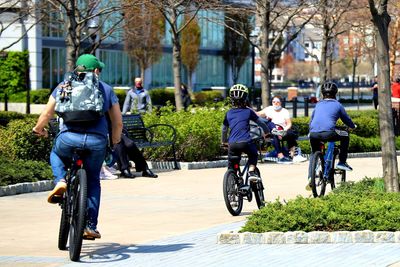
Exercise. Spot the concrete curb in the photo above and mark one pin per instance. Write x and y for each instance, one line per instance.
(26, 188)
(300, 237)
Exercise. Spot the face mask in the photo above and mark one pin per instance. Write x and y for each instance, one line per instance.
(277, 108)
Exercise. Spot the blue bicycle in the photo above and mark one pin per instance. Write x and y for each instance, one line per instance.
(322, 169)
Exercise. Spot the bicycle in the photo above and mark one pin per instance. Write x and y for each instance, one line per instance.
(236, 185)
(322, 167)
(73, 204)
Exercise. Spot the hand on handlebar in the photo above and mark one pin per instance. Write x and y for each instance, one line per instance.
(43, 133)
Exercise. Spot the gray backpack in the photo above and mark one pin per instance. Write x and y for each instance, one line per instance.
(80, 99)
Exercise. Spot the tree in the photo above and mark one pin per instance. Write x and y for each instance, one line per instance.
(144, 31)
(191, 37)
(277, 19)
(381, 20)
(236, 47)
(18, 13)
(90, 22)
(330, 20)
(173, 12)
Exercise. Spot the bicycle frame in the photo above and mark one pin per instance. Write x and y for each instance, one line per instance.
(328, 158)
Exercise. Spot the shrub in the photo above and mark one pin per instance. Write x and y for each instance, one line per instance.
(36, 96)
(207, 97)
(351, 207)
(20, 171)
(121, 94)
(13, 68)
(7, 116)
(22, 144)
(198, 133)
(161, 96)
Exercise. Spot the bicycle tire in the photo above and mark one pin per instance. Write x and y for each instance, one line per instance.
(64, 225)
(258, 189)
(78, 213)
(232, 197)
(318, 183)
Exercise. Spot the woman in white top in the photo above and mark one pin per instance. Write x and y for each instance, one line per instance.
(280, 119)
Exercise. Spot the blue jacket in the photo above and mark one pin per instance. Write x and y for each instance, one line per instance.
(326, 114)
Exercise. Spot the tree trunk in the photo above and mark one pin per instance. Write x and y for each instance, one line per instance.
(381, 21)
(394, 39)
(190, 83)
(354, 61)
(176, 65)
(143, 73)
(73, 37)
(263, 13)
(323, 70)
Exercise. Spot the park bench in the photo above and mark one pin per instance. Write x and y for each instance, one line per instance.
(153, 136)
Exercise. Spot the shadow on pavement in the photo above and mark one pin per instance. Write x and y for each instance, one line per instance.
(113, 252)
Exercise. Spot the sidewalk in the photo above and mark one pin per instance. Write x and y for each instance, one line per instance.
(174, 221)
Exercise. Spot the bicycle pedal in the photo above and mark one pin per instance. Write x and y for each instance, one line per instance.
(85, 237)
(57, 199)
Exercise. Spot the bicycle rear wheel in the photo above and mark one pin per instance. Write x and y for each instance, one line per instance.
(64, 224)
(258, 189)
(78, 213)
(318, 183)
(232, 197)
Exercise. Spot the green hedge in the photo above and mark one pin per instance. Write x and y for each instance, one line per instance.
(40, 96)
(21, 171)
(18, 142)
(351, 207)
(198, 133)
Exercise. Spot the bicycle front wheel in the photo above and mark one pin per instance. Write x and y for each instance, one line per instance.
(78, 213)
(232, 197)
(258, 189)
(318, 183)
(64, 224)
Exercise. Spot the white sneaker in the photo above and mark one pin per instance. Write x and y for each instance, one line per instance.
(299, 158)
(105, 174)
(112, 170)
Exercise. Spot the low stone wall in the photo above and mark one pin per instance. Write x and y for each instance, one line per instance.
(317, 237)
(22, 188)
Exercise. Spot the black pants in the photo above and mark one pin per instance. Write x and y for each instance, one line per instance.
(236, 150)
(316, 138)
(126, 151)
(290, 138)
(375, 100)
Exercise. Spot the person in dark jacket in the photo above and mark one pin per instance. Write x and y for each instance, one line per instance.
(127, 151)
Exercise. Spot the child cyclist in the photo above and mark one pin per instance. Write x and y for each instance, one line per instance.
(323, 124)
(237, 119)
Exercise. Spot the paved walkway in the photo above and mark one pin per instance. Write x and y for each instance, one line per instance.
(174, 221)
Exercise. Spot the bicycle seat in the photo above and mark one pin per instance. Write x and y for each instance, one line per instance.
(81, 151)
(234, 157)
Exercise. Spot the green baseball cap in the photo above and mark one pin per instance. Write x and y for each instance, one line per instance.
(89, 62)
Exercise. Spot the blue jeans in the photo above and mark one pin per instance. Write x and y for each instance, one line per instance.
(61, 155)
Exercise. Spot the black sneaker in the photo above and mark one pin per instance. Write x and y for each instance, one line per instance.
(344, 166)
(127, 174)
(149, 173)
